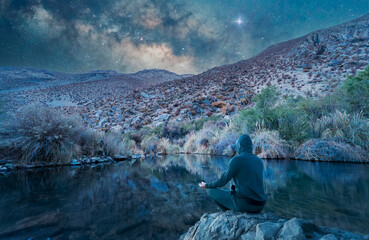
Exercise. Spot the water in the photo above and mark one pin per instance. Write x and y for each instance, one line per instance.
(160, 199)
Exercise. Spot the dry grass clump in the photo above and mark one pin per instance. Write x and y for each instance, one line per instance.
(331, 150)
(343, 125)
(268, 144)
(166, 147)
(201, 141)
(149, 144)
(40, 134)
(153, 145)
(114, 143)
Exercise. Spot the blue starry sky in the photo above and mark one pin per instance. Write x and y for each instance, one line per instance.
(181, 36)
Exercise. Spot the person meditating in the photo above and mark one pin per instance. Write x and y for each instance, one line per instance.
(246, 170)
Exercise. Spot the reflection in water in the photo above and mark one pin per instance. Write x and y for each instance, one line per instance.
(160, 199)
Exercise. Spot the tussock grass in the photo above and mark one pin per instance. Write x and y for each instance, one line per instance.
(114, 143)
(268, 144)
(353, 127)
(40, 134)
(331, 150)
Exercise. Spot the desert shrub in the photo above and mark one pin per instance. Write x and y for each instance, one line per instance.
(190, 144)
(225, 144)
(268, 144)
(149, 144)
(201, 141)
(292, 123)
(353, 127)
(173, 131)
(267, 99)
(330, 150)
(115, 143)
(166, 147)
(40, 134)
(197, 125)
(354, 93)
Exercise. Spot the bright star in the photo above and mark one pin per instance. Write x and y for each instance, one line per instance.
(238, 21)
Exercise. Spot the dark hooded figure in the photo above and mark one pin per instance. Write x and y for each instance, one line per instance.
(246, 170)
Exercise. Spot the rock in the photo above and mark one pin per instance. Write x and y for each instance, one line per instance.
(291, 230)
(95, 159)
(118, 157)
(224, 225)
(136, 156)
(101, 160)
(38, 221)
(248, 236)
(267, 230)
(246, 226)
(329, 237)
(9, 166)
(162, 117)
(75, 162)
(116, 129)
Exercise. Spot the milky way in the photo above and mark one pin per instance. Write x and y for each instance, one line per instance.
(182, 36)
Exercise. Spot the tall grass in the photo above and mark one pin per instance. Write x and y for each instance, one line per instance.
(40, 134)
(353, 127)
(116, 144)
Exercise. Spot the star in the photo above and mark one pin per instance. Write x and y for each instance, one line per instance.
(238, 21)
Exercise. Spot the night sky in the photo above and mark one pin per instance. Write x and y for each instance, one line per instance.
(183, 36)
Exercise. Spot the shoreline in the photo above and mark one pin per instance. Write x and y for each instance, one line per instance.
(6, 165)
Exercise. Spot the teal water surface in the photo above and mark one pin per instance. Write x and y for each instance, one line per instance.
(160, 199)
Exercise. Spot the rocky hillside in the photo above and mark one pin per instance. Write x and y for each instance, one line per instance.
(21, 86)
(243, 226)
(311, 65)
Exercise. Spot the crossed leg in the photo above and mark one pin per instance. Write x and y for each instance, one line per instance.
(222, 198)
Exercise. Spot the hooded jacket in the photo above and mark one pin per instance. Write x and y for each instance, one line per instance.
(246, 170)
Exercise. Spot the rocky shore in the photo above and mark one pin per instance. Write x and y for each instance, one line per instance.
(8, 165)
(245, 226)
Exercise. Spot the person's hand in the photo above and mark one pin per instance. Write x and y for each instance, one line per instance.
(202, 185)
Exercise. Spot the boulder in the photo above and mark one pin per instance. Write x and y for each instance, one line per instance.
(292, 230)
(267, 230)
(246, 226)
(75, 162)
(118, 157)
(329, 237)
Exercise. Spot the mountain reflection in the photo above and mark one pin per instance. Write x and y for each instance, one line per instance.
(159, 198)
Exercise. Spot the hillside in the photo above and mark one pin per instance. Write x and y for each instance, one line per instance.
(311, 65)
(21, 86)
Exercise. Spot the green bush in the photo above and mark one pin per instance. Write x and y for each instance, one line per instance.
(354, 93)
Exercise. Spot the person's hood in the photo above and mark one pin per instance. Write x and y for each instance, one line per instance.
(244, 144)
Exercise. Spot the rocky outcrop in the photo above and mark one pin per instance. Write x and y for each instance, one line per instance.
(245, 226)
